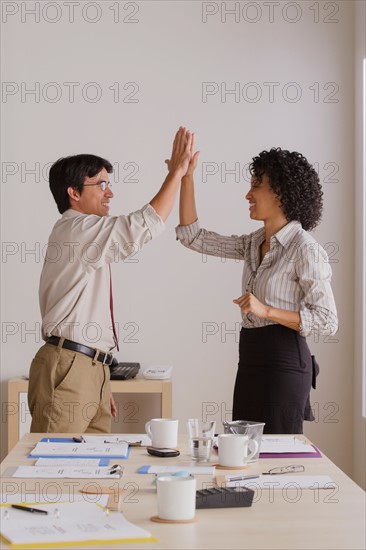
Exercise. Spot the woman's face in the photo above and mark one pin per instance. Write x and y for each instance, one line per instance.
(264, 205)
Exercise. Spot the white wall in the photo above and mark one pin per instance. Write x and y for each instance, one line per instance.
(291, 64)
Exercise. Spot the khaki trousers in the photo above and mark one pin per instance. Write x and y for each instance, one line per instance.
(68, 392)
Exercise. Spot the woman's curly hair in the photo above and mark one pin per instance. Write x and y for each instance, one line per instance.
(294, 181)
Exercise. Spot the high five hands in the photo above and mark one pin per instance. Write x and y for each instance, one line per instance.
(182, 158)
(194, 158)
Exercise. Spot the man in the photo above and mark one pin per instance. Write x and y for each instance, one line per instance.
(69, 389)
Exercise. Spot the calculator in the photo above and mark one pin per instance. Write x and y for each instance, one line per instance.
(224, 497)
(123, 371)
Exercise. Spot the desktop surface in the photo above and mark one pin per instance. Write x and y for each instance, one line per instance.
(290, 518)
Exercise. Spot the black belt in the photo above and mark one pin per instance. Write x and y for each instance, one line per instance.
(105, 358)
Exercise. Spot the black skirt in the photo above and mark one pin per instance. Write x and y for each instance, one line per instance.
(274, 378)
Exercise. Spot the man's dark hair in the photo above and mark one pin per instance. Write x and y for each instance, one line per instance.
(294, 181)
(71, 172)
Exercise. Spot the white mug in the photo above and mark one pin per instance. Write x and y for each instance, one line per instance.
(176, 497)
(163, 432)
(234, 449)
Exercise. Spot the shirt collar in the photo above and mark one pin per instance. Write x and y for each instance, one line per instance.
(71, 213)
(285, 235)
(258, 236)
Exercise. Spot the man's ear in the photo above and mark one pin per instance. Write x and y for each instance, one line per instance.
(73, 193)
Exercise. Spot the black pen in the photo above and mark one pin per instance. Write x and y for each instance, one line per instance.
(29, 509)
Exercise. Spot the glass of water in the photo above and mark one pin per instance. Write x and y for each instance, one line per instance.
(200, 436)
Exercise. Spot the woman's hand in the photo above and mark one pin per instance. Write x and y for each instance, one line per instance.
(193, 160)
(250, 304)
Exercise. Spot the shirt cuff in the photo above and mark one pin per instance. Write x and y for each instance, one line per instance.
(153, 221)
(187, 232)
(306, 322)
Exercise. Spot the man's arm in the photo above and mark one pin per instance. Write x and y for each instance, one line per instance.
(178, 164)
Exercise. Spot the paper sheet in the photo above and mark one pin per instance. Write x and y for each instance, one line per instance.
(64, 472)
(285, 444)
(285, 482)
(133, 439)
(172, 468)
(85, 450)
(51, 498)
(76, 522)
(79, 462)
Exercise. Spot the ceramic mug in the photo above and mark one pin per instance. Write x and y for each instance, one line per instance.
(163, 432)
(176, 497)
(236, 450)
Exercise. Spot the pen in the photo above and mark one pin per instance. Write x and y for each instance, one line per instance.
(241, 478)
(79, 439)
(29, 509)
(130, 443)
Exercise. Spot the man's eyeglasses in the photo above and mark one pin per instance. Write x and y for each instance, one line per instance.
(102, 184)
(296, 468)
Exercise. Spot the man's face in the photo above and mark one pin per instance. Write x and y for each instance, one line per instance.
(93, 200)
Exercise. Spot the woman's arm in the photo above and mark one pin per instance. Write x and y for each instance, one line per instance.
(317, 312)
(250, 304)
(189, 232)
(187, 202)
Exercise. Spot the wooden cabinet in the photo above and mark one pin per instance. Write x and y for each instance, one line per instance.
(19, 418)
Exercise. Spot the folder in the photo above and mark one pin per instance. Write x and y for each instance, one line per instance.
(74, 524)
(315, 454)
(113, 451)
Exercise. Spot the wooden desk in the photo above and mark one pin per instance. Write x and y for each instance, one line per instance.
(278, 519)
(18, 386)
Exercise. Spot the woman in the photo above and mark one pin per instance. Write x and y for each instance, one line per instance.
(286, 292)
